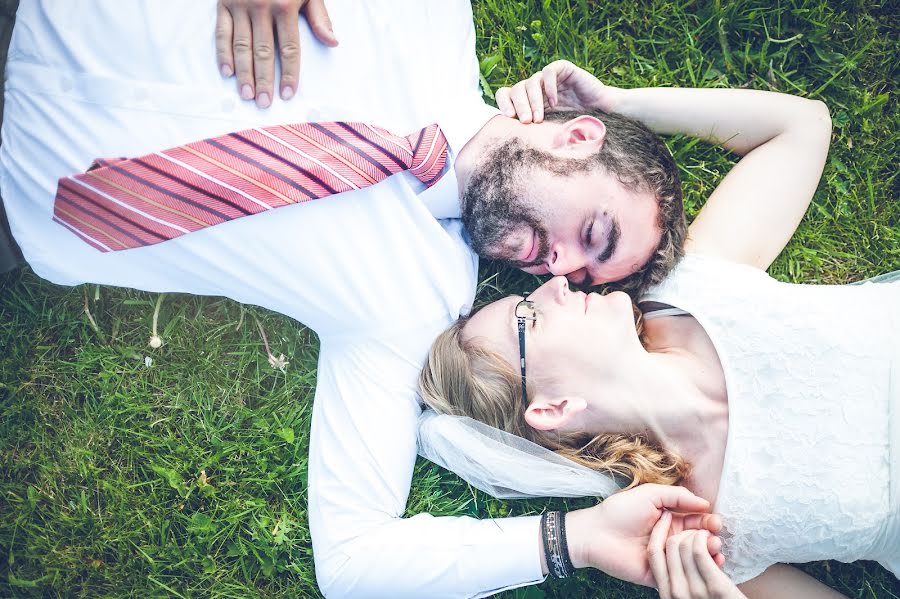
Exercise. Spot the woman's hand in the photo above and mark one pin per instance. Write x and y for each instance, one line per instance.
(613, 536)
(245, 43)
(558, 86)
(682, 565)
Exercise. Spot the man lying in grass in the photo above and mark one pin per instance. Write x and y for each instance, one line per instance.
(370, 270)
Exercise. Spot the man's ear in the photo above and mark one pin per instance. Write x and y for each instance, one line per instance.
(583, 135)
(550, 414)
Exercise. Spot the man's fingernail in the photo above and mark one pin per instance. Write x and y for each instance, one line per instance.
(287, 92)
(246, 92)
(226, 71)
(263, 100)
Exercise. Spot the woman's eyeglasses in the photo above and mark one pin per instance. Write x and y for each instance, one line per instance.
(522, 308)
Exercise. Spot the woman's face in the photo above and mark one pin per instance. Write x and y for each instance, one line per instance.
(575, 338)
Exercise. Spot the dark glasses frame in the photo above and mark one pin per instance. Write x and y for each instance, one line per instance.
(521, 325)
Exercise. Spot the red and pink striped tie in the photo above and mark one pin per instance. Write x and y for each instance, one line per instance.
(126, 203)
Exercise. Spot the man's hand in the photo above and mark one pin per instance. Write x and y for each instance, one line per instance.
(682, 565)
(245, 43)
(558, 86)
(614, 535)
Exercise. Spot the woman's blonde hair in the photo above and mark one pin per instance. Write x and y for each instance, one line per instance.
(463, 379)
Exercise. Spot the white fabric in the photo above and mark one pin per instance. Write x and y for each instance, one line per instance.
(812, 464)
(370, 271)
(502, 464)
(812, 461)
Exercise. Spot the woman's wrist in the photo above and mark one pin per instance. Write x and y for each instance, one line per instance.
(612, 100)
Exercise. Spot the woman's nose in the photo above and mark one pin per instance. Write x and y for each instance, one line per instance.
(556, 290)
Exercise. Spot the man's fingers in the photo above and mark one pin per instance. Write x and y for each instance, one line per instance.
(504, 102)
(710, 522)
(241, 45)
(263, 54)
(287, 26)
(519, 98)
(320, 22)
(224, 33)
(679, 498)
(535, 97)
(656, 554)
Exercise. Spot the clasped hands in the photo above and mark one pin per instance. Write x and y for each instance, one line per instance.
(654, 535)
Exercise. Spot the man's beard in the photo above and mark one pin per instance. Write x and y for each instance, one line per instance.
(492, 210)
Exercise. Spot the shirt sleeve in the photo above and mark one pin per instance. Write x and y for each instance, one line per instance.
(362, 453)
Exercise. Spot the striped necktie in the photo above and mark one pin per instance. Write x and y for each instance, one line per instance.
(126, 203)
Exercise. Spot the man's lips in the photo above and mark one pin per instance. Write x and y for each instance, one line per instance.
(530, 248)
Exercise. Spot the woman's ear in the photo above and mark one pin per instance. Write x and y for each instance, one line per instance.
(584, 135)
(553, 414)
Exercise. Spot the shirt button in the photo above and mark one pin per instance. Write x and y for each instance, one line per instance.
(228, 104)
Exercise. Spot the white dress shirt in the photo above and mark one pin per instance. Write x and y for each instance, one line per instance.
(371, 271)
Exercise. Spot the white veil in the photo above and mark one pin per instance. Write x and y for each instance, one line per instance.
(505, 465)
(510, 467)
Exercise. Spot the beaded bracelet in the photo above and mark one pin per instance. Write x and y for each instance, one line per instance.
(553, 533)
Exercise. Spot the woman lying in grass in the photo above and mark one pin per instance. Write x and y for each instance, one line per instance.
(778, 403)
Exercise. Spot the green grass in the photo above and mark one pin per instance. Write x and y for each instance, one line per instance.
(181, 471)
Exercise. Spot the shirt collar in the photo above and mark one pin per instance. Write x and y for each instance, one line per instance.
(459, 124)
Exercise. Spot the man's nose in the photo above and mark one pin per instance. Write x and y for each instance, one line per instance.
(563, 260)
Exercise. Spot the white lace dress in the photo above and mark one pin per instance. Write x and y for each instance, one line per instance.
(812, 461)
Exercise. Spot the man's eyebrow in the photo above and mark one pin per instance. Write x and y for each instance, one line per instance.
(612, 244)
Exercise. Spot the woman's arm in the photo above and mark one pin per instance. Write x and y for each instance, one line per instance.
(783, 140)
(785, 582)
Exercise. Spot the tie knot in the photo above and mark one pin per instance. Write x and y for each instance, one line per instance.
(429, 148)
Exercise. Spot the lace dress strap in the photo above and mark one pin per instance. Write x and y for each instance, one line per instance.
(653, 310)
